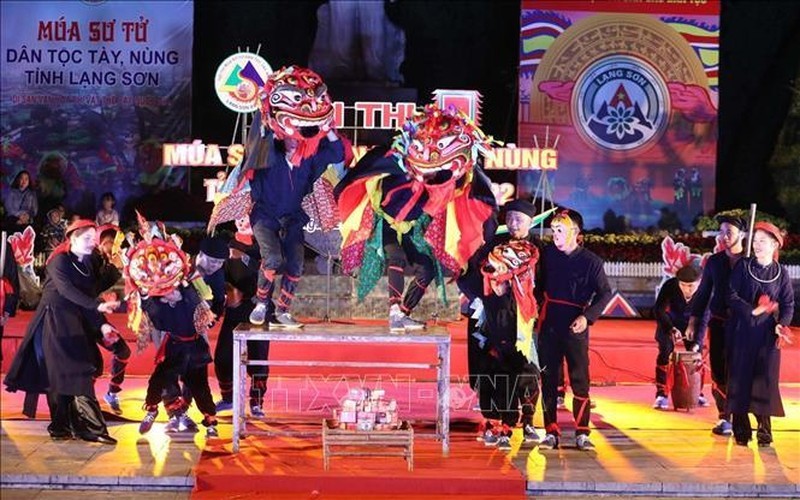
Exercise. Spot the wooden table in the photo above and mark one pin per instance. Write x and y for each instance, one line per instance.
(338, 442)
(348, 334)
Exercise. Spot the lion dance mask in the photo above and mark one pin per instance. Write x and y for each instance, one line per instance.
(427, 187)
(295, 105)
(155, 267)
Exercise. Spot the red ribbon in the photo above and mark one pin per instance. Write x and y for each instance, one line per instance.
(548, 300)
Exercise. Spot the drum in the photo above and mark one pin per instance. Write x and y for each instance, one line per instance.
(686, 370)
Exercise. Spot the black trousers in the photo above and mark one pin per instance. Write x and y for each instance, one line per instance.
(78, 415)
(189, 362)
(718, 359)
(397, 257)
(478, 361)
(509, 382)
(743, 430)
(554, 347)
(223, 356)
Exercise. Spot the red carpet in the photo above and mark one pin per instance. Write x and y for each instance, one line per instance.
(290, 467)
(622, 351)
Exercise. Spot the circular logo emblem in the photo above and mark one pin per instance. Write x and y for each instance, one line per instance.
(620, 103)
(239, 79)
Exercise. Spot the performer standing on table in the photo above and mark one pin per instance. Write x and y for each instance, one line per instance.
(672, 310)
(58, 355)
(241, 276)
(171, 312)
(761, 300)
(287, 159)
(424, 201)
(575, 291)
(712, 295)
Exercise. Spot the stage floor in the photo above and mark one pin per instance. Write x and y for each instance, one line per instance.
(640, 451)
(621, 351)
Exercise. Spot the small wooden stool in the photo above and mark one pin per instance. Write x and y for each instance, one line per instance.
(393, 442)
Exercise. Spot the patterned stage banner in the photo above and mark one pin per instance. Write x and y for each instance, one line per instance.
(627, 92)
(90, 91)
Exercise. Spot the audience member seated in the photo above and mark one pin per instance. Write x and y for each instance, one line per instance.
(107, 213)
(21, 205)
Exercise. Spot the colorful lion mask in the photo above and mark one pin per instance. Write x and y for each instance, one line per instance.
(438, 145)
(295, 104)
(513, 261)
(157, 267)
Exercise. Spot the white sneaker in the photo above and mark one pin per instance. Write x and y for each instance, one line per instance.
(490, 437)
(113, 401)
(147, 422)
(582, 443)
(173, 425)
(529, 434)
(257, 412)
(285, 320)
(661, 403)
(259, 314)
(504, 442)
(400, 322)
(550, 442)
(186, 424)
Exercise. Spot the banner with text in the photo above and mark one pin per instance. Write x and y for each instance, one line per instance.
(628, 90)
(90, 91)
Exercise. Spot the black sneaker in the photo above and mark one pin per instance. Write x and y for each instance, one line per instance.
(764, 439)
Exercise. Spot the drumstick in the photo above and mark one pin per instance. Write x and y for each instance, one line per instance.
(750, 228)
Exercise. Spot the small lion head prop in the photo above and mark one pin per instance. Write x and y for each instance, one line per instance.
(439, 145)
(510, 262)
(513, 265)
(156, 266)
(295, 104)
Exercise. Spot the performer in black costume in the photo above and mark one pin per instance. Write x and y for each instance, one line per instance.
(58, 354)
(184, 353)
(519, 218)
(712, 295)
(672, 310)
(761, 300)
(107, 269)
(574, 291)
(241, 276)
